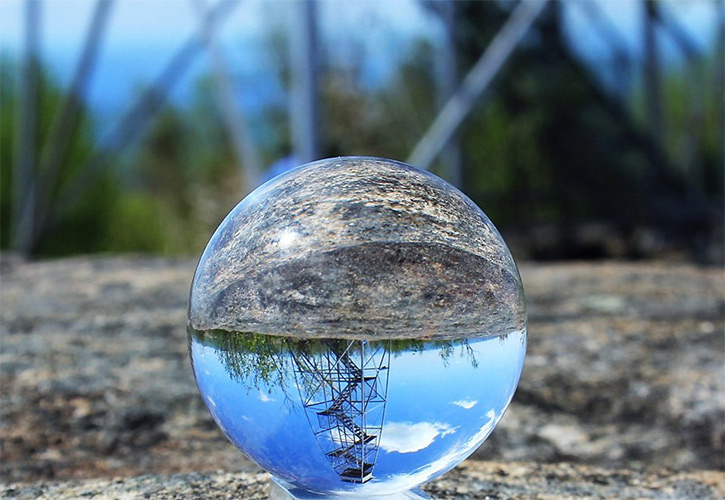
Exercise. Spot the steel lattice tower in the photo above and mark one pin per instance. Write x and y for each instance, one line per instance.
(343, 391)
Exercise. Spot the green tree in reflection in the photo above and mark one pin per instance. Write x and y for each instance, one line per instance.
(264, 361)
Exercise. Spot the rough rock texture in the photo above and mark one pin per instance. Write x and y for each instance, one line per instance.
(472, 480)
(625, 366)
(625, 369)
(357, 248)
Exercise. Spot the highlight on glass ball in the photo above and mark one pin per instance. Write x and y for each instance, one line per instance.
(357, 327)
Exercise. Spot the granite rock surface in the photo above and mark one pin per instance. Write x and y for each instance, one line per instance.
(624, 371)
(470, 481)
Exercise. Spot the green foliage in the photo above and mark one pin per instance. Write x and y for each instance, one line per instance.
(164, 196)
(543, 147)
(8, 112)
(694, 125)
(546, 144)
(83, 228)
(258, 361)
(384, 122)
(263, 361)
(137, 225)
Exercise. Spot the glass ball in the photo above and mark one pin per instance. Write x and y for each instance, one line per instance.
(357, 326)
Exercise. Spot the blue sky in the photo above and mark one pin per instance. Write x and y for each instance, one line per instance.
(143, 34)
(437, 413)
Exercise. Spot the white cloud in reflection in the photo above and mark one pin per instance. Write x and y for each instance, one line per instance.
(466, 404)
(404, 482)
(264, 398)
(406, 437)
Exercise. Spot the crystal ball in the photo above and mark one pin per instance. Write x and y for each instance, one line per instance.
(357, 327)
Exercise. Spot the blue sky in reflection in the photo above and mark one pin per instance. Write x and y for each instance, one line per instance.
(438, 412)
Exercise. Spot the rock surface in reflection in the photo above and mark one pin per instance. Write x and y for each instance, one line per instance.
(357, 248)
(367, 417)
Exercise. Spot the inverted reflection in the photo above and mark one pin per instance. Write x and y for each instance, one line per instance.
(356, 416)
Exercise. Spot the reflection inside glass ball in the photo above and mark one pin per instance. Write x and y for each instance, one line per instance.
(357, 326)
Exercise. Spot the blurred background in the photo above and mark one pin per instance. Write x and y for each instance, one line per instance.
(584, 128)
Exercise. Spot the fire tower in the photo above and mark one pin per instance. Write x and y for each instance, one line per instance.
(343, 391)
